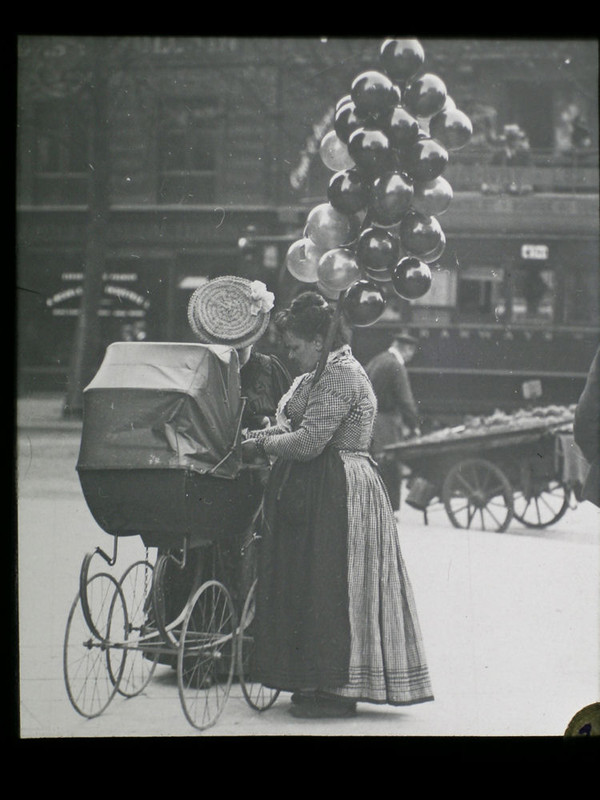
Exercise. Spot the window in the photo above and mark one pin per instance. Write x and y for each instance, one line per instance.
(533, 294)
(582, 296)
(187, 147)
(480, 294)
(61, 152)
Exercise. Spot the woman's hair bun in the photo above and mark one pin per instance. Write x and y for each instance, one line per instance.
(307, 300)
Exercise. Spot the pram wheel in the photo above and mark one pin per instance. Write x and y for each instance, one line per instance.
(93, 664)
(143, 650)
(258, 696)
(206, 655)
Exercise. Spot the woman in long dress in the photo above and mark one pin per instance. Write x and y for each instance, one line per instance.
(336, 619)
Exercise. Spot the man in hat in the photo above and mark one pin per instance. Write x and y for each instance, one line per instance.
(397, 414)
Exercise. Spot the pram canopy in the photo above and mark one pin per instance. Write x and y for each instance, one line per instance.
(155, 405)
(160, 453)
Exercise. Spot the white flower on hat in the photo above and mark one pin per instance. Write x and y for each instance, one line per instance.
(262, 300)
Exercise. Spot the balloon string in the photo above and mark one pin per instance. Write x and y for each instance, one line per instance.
(327, 344)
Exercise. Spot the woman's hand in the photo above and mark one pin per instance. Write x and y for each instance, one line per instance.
(252, 452)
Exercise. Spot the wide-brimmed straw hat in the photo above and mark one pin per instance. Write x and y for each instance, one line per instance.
(230, 311)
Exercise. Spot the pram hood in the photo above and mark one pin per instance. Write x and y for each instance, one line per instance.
(156, 405)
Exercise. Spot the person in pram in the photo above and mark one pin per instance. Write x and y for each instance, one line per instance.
(335, 615)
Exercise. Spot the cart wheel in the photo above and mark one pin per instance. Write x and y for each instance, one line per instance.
(206, 655)
(258, 696)
(476, 490)
(143, 646)
(541, 506)
(92, 666)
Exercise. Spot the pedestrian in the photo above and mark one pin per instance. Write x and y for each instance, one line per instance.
(397, 412)
(586, 430)
(335, 615)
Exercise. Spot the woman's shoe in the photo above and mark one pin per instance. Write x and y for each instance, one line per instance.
(324, 708)
(303, 696)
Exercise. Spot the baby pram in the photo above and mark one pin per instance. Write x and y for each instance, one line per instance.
(160, 458)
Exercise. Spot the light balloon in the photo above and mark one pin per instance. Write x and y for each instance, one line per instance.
(338, 268)
(302, 260)
(328, 228)
(334, 153)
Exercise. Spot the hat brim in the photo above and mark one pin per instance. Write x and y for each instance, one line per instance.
(220, 312)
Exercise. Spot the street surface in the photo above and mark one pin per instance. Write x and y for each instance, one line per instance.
(510, 622)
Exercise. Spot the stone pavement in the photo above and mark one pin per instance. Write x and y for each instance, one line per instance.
(510, 624)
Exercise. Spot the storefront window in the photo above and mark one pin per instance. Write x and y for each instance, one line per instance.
(480, 294)
(533, 294)
(582, 297)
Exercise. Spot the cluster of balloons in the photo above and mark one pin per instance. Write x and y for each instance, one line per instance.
(389, 146)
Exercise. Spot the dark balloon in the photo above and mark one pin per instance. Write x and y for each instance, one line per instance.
(401, 58)
(347, 98)
(364, 303)
(379, 275)
(432, 198)
(451, 127)
(436, 253)
(346, 121)
(411, 278)
(372, 93)
(370, 150)
(391, 196)
(425, 96)
(402, 128)
(376, 249)
(347, 191)
(420, 235)
(425, 160)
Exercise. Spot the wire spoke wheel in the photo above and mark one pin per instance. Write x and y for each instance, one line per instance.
(142, 650)
(85, 573)
(93, 665)
(258, 696)
(541, 504)
(169, 596)
(206, 655)
(476, 493)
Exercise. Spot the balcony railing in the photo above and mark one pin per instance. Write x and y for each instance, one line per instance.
(574, 172)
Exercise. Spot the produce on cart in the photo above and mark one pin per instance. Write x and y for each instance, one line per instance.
(491, 469)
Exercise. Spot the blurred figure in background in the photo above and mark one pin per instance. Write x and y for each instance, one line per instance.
(397, 414)
(586, 430)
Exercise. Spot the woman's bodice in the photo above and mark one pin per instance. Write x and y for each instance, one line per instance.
(339, 411)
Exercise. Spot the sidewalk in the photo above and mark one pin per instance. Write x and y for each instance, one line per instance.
(43, 411)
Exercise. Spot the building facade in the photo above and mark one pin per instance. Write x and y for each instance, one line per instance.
(201, 157)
